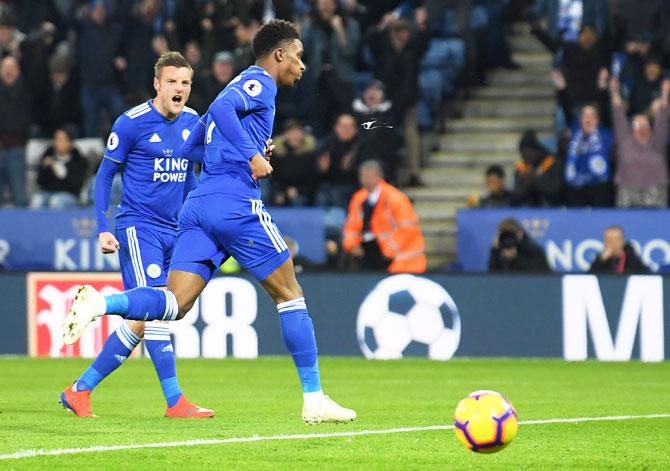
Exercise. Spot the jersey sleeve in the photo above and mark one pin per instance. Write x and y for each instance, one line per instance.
(120, 140)
(248, 95)
(194, 147)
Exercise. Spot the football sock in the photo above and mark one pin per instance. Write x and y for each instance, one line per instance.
(298, 332)
(159, 344)
(116, 350)
(142, 304)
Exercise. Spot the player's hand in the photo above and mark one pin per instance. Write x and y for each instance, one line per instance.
(260, 168)
(108, 243)
(269, 149)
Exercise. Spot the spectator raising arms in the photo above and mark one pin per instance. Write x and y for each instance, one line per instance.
(642, 171)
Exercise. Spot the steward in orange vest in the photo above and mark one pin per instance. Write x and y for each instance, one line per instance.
(381, 213)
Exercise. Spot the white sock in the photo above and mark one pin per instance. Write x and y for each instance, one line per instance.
(312, 397)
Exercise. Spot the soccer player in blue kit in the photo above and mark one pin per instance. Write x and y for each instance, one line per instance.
(224, 216)
(146, 145)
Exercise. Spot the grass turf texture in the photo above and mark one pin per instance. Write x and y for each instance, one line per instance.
(261, 397)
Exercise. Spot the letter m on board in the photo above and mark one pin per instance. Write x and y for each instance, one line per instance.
(584, 312)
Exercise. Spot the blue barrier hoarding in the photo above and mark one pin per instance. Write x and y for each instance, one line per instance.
(385, 317)
(66, 240)
(571, 237)
(13, 333)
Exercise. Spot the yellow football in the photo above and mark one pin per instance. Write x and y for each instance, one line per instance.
(485, 422)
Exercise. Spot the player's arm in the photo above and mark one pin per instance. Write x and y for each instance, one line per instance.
(118, 144)
(225, 115)
(194, 147)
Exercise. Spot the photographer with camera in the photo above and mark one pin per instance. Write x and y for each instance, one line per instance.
(514, 251)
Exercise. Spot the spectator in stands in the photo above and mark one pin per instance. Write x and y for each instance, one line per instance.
(244, 34)
(565, 18)
(293, 164)
(60, 106)
(15, 120)
(100, 63)
(331, 44)
(499, 196)
(336, 164)
(218, 21)
(583, 66)
(647, 87)
(61, 174)
(618, 256)
(378, 138)
(144, 40)
(398, 47)
(514, 251)
(382, 230)
(10, 37)
(201, 76)
(642, 171)
(222, 72)
(588, 162)
(538, 176)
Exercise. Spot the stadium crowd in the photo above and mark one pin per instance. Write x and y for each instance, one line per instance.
(71, 66)
(610, 74)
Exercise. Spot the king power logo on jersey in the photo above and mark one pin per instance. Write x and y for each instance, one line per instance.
(49, 297)
(168, 169)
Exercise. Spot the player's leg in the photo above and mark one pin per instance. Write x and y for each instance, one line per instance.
(117, 348)
(136, 254)
(269, 261)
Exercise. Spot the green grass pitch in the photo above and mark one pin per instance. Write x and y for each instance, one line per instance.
(262, 398)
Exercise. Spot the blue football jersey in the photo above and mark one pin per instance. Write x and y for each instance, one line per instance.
(154, 174)
(239, 122)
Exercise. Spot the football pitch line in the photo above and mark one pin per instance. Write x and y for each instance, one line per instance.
(305, 436)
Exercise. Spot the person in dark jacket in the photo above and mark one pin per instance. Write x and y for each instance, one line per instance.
(398, 47)
(499, 196)
(100, 63)
(293, 164)
(538, 176)
(15, 120)
(618, 256)
(61, 173)
(378, 139)
(514, 251)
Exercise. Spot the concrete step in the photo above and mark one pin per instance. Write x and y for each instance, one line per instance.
(444, 194)
(509, 108)
(484, 143)
(513, 124)
(495, 91)
(533, 60)
(431, 212)
(437, 262)
(439, 244)
(472, 159)
(519, 78)
(526, 43)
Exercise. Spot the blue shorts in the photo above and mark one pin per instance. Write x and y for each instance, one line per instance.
(144, 255)
(214, 227)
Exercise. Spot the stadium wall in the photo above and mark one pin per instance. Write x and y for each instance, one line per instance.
(571, 316)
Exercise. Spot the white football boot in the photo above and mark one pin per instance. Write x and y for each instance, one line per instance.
(325, 410)
(86, 307)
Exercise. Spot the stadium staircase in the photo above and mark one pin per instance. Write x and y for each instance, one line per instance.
(488, 132)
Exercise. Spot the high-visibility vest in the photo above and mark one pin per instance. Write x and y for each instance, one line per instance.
(395, 225)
